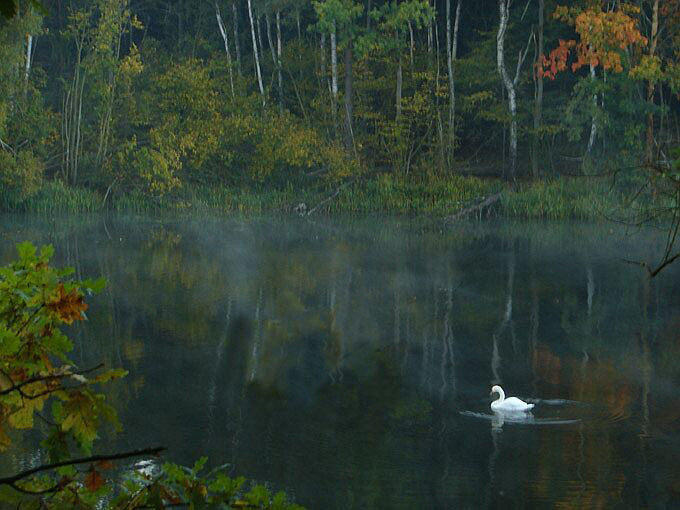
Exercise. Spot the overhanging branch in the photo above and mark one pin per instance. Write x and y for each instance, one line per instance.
(11, 480)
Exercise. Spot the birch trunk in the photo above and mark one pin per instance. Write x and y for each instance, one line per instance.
(440, 123)
(454, 55)
(449, 67)
(412, 45)
(259, 34)
(72, 108)
(29, 49)
(105, 122)
(593, 124)
(649, 143)
(278, 56)
(255, 52)
(430, 29)
(349, 107)
(334, 77)
(323, 70)
(451, 51)
(223, 32)
(269, 38)
(504, 8)
(299, 32)
(400, 80)
(237, 46)
(538, 101)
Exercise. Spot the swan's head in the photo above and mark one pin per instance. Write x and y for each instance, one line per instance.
(496, 389)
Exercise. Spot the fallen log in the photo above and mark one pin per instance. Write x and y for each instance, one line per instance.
(478, 208)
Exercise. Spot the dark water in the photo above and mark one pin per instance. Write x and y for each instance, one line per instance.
(349, 362)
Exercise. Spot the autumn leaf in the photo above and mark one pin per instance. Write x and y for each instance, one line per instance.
(68, 307)
(94, 481)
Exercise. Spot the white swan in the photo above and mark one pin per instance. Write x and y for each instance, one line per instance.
(511, 404)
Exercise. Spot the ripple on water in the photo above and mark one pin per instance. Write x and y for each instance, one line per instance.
(559, 412)
(518, 418)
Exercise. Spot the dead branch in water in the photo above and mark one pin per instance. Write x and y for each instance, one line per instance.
(478, 208)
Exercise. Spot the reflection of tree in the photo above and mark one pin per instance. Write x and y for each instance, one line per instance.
(505, 322)
(368, 343)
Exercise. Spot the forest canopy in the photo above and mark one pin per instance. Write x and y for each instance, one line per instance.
(124, 96)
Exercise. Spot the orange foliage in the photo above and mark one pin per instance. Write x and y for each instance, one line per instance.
(603, 36)
(94, 481)
(68, 307)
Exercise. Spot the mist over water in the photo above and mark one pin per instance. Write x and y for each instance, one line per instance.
(349, 362)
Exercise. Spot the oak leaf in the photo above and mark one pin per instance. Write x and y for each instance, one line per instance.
(94, 481)
(67, 306)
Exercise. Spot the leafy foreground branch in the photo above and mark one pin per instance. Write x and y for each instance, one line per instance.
(37, 379)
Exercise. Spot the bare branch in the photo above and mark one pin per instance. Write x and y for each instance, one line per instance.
(11, 480)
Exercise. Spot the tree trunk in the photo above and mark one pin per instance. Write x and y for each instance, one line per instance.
(259, 34)
(299, 32)
(412, 45)
(430, 28)
(255, 52)
(349, 108)
(223, 32)
(504, 8)
(451, 50)
(440, 123)
(454, 55)
(368, 15)
(449, 66)
(334, 78)
(236, 42)
(399, 85)
(269, 38)
(72, 109)
(649, 145)
(593, 124)
(278, 56)
(538, 100)
(29, 49)
(105, 121)
(323, 70)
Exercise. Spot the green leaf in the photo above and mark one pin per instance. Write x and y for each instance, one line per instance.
(46, 252)
(26, 249)
(199, 465)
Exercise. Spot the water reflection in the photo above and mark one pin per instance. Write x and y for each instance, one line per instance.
(338, 361)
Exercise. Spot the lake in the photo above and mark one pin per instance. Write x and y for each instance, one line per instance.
(349, 361)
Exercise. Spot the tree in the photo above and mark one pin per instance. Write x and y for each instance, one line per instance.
(538, 100)
(256, 54)
(37, 377)
(509, 84)
(339, 17)
(225, 38)
(26, 125)
(604, 38)
(451, 53)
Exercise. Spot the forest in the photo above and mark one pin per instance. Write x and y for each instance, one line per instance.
(411, 105)
(257, 359)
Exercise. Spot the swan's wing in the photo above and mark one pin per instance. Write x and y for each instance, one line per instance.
(515, 403)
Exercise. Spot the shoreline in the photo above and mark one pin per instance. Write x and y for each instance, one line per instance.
(562, 198)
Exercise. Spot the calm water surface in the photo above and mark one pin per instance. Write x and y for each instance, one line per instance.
(349, 362)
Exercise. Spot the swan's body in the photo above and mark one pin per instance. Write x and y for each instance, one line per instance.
(510, 404)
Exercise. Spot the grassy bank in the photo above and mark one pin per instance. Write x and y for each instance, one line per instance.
(564, 198)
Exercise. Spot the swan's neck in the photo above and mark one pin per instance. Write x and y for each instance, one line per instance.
(501, 395)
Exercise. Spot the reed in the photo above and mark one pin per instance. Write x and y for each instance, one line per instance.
(562, 198)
